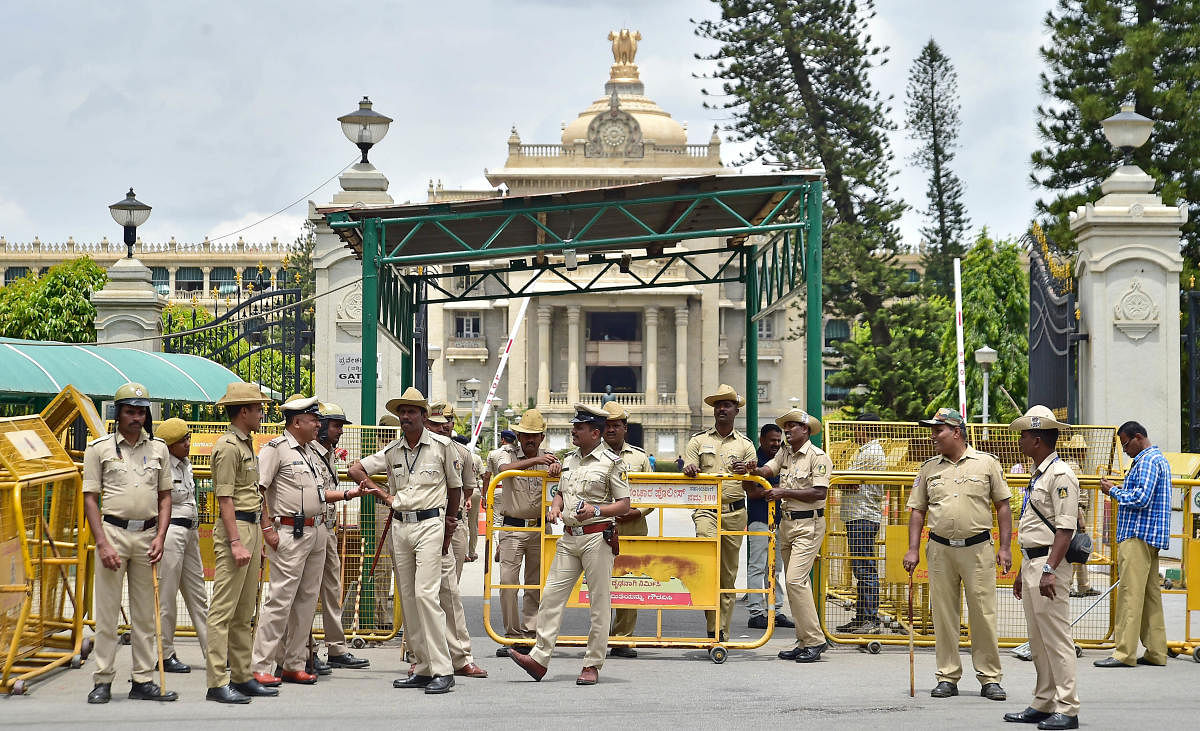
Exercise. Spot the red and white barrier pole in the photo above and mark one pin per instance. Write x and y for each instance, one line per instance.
(487, 403)
(958, 335)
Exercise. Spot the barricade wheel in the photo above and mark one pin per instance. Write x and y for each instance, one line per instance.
(18, 688)
(1172, 652)
(1078, 651)
(358, 643)
(718, 654)
(85, 648)
(1196, 654)
(76, 662)
(874, 646)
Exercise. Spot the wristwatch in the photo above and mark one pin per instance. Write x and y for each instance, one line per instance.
(1047, 568)
(597, 509)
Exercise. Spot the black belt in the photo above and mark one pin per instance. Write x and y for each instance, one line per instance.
(415, 516)
(132, 525)
(961, 542)
(1036, 551)
(246, 516)
(520, 522)
(184, 522)
(732, 507)
(802, 514)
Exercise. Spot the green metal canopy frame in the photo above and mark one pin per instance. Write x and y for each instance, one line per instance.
(769, 227)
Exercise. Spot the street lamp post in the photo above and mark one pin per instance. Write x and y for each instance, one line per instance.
(985, 357)
(495, 421)
(129, 214)
(364, 127)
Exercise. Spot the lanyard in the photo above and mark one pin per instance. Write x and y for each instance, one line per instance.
(1032, 482)
(416, 458)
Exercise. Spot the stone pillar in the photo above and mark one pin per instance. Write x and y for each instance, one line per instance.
(207, 282)
(1128, 276)
(128, 307)
(650, 356)
(681, 355)
(572, 354)
(171, 271)
(543, 356)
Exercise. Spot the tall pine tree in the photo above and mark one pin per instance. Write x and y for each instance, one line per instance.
(931, 114)
(1101, 54)
(794, 74)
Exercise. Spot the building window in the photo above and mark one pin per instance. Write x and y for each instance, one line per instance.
(836, 330)
(222, 279)
(161, 280)
(914, 276)
(834, 393)
(766, 327)
(189, 279)
(466, 325)
(12, 274)
(764, 392)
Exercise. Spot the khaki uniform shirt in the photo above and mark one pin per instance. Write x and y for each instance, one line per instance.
(1054, 490)
(801, 469)
(713, 454)
(235, 470)
(522, 496)
(418, 477)
(326, 464)
(636, 460)
(958, 496)
(597, 478)
(287, 471)
(128, 477)
(183, 489)
(470, 478)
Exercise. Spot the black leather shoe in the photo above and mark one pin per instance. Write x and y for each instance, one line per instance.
(758, 621)
(102, 693)
(226, 694)
(173, 665)
(440, 684)
(993, 692)
(502, 651)
(254, 688)
(346, 660)
(781, 620)
(1029, 715)
(413, 681)
(622, 651)
(944, 689)
(791, 654)
(149, 691)
(1110, 662)
(811, 654)
(1060, 720)
(1143, 661)
(320, 667)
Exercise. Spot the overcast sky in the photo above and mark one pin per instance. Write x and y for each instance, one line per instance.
(219, 113)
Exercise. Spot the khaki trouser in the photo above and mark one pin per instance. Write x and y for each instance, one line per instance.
(801, 545)
(291, 605)
(417, 560)
(1081, 570)
(625, 620)
(731, 551)
(473, 523)
(235, 592)
(458, 637)
(458, 546)
(590, 555)
(1050, 640)
(181, 572)
(331, 598)
(131, 548)
(1139, 603)
(516, 546)
(953, 572)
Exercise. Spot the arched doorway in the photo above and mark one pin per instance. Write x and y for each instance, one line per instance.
(623, 379)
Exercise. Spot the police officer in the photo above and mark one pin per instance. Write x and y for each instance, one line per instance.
(592, 491)
(521, 507)
(424, 491)
(953, 493)
(717, 450)
(473, 510)
(333, 421)
(181, 570)
(803, 470)
(1051, 499)
(127, 501)
(237, 550)
(633, 522)
(458, 635)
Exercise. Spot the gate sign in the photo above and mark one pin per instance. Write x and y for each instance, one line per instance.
(347, 371)
(673, 493)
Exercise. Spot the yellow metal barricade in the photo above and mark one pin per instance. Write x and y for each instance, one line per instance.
(652, 573)
(41, 554)
(1190, 560)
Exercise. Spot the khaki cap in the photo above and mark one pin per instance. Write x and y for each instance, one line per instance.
(616, 411)
(332, 412)
(802, 417)
(532, 422)
(1038, 417)
(440, 412)
(725, 392)
(585, 414)
(241, 393)
(133, 394)
(301, 406)
(389, 420)
(172, 430)
(946, 417)
(410, 397)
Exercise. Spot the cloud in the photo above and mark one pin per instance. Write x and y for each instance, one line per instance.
(285, 227)
(14, 221)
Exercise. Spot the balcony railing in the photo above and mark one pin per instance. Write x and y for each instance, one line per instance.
(613, 353)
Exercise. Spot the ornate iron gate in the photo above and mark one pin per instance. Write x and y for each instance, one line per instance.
(1190, 306)
(266, 338)
(1053, 328)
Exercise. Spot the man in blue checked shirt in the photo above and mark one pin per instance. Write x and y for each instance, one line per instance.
(1143, 529)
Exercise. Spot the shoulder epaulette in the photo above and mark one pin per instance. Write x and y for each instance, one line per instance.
(277, 441)
(156, 439)
(936, 456)
(441, 439)
(612, 455)
(636, 449)
(97, 440)
(696, 434)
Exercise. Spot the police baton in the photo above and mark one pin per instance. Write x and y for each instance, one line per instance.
(162, 676)
(912, 671)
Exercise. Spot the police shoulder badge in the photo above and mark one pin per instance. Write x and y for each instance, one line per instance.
(1062, 492)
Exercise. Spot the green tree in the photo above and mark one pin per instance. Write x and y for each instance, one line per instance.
(931, 114)
(995, 313)
(54, 306)
(1100, 54)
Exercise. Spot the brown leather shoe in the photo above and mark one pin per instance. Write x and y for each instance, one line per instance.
(268, 680)
(471, 670)
(589, 676)
(535, 669)
(298, 676)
